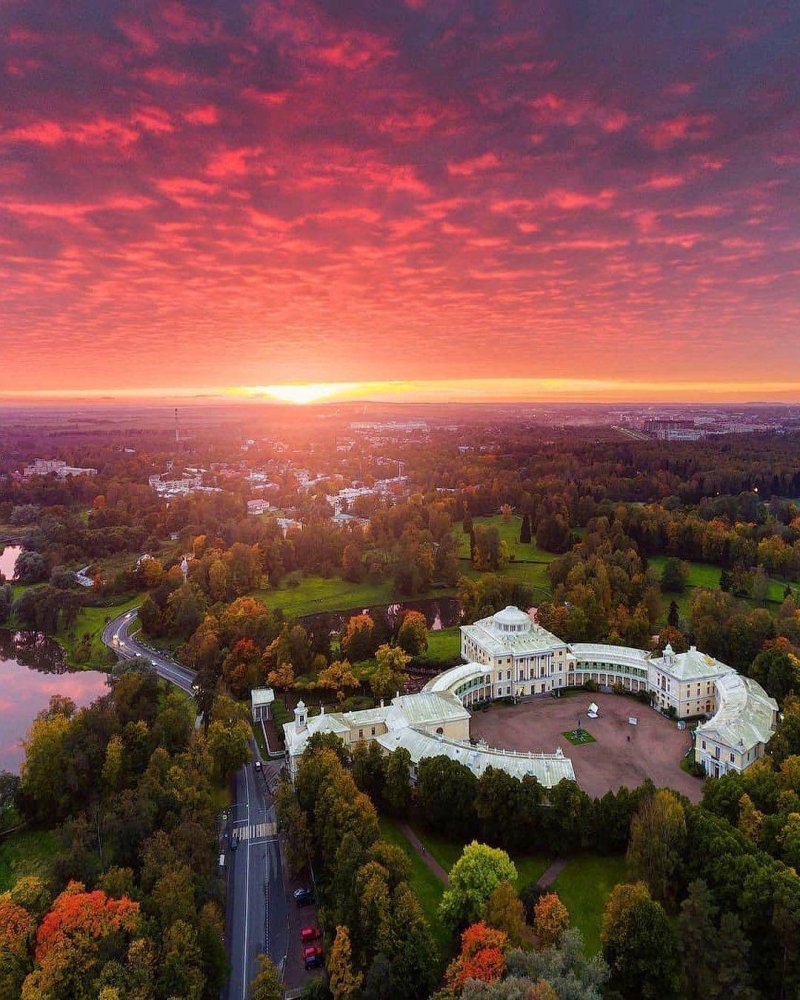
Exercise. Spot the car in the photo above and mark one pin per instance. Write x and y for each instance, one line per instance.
(303, 896)
(234, 841)
(310, 934)
(258, 765)
(313, 956)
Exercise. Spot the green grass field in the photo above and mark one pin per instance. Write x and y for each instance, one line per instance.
(443, 644)
(584, 887)
(509, 533)
(317, 593)
(427, 887)
(27, 852)
(700, 574)
(578, 739)
(92, 621)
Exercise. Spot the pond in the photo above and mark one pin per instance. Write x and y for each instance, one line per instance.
(440, 612)
(8, 560)
(32, 668)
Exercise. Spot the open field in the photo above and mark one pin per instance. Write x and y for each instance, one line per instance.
(26, 852)
(509, 533)
(622, 754)
(317, 593)
(584, 887)
(443, 645)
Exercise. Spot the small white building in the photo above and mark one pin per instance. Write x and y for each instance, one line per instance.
(261, 700)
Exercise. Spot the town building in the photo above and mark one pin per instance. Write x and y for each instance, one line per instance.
(55, 466)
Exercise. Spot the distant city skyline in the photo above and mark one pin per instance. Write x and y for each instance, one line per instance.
(420, 200)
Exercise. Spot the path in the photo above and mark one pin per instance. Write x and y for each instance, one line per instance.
(549, 876)
(422, 851)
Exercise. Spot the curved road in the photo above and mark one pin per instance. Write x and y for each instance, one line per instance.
(256, 917)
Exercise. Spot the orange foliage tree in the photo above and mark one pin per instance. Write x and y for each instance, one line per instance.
(550, 920)
(482, 956)
(80, 929)
(16, 930)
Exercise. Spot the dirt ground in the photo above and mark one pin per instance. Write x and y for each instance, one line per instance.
(622, 754)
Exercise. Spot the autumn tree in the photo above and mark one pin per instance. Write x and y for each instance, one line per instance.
(482, 957)
(358, 641)
(412, 636)
(16, 931)
(268, 984)
(504, 911)
(344, 981)
(390, 674)
(550, 920)
(281, 678)
(338, 678)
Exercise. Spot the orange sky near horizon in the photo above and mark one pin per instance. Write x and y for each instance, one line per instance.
(418, 199)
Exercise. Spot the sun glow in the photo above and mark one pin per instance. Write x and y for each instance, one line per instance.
(312, 392)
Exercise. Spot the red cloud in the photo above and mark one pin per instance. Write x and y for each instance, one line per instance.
(205, 115)
(683, 128)
(467, 168)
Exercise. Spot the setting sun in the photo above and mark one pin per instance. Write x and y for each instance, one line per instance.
(310, 393)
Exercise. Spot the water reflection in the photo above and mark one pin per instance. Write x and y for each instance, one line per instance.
(440, 612)
(8, 560)
(32, 668)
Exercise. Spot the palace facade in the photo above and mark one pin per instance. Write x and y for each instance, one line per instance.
(509, 655)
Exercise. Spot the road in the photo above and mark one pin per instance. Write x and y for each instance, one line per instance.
(256, 912)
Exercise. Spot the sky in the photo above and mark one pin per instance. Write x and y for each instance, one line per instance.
(516, 198)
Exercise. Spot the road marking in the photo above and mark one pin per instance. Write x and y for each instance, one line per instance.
(253, 830)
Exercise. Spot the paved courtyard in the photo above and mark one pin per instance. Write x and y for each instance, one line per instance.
(653, 751)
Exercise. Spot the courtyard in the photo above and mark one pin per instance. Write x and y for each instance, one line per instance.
(620, 754)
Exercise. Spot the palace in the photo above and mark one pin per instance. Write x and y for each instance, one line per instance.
(511, 656)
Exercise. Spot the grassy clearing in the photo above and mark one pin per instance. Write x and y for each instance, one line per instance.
(509, 533)
(707, 575)
(584, 887)
(700, 574)
(443, 645)
(427, 887)
(27, 852)
(91, 622)
(317, 593)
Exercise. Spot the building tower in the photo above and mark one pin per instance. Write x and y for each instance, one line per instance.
(177, 428)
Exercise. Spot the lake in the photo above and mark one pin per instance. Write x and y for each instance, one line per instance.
(8, 560)
(440, 612)
(32, 668)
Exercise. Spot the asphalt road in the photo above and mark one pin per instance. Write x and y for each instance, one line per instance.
(256, 912)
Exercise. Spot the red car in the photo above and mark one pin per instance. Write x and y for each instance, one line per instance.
(310, 934)
(312, 956)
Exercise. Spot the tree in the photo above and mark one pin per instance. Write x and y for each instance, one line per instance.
(241, 668)
(565, 969)
(412, 636)
(390, 671)
(777, 670)
(338, 678)
(396, 793)
(639, 944)
(525, 530)
(731, 979)
(345, 982)
(473, 879)
(674, 575)
(446, 792)
(658, 842)
(504, 911)
(358, 642)
(281, 678)
(268, 984)
(696, 928)
(482, 957)
(229, 746)
(30, 567)
(550, 920)
(16, 929)
(673, 615)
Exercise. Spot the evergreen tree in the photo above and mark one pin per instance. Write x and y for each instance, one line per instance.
(525, 530)
(673, 616)
(731, 979)
(725, 581)
(695, 929)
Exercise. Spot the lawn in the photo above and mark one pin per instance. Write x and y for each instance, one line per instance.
(579, 737)
(444, 645)
(584, 887)
(27, 852)
(427, 887)
(317, 593)
(509, 533)
(92, 621)
(700, 574)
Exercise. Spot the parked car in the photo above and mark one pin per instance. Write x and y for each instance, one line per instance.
(303, 896)
(310, 934)
(313, 956)
(258, 765)
(234, 841)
